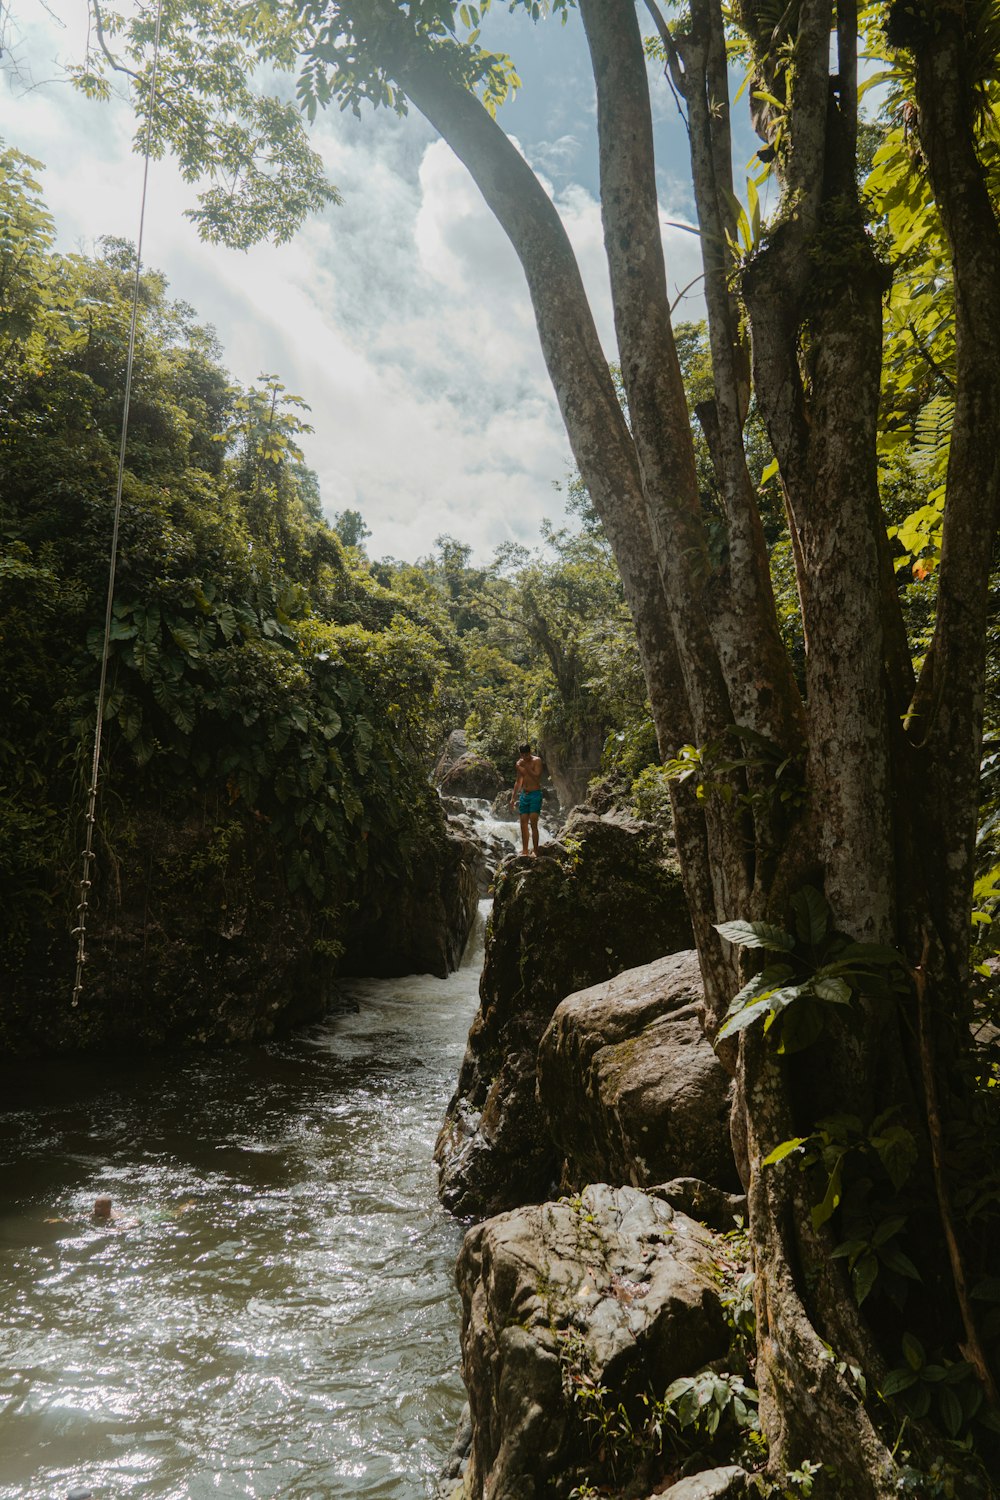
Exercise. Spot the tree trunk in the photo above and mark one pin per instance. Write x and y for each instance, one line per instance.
(710, 645)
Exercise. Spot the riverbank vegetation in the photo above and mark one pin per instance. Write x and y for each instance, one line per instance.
(810, 570)
(271, 705)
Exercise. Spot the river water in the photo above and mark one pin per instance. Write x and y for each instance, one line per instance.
(273, 1312)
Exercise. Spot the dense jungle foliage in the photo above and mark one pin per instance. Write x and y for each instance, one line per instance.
(816, 613)
(263, 686)
(260, 661)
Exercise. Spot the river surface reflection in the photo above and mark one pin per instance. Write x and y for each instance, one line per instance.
(273, 1313)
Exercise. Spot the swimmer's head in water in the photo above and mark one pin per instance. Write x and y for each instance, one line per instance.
(102, 1208)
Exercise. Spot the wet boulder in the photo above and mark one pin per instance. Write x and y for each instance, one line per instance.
(454, 747)
(629, 1084)
(612, 1289)
(501, 809)
(572, 759)
(472, 776)
(603, 899)
(474, 817)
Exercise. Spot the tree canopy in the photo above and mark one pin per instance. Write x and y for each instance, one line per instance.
(828, 768)
(258, 679)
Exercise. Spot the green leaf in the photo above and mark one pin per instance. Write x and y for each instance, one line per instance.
(184, 636)
(821, 1212)
(800, 1027)
(226, 620)
(897, 1151)
(888, 1228)
(770, 978)
(920, 1402)
(756, 935)
(897, 1261)
(771, 99)
(864, 1276)
(849, 1250)
(785, 1149)
(744, 1018)
(951, 1411)
(913, 1351)
(812, 915)
(833, 991)
(899, 1380)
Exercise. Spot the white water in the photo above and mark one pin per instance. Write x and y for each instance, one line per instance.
(273, 1313)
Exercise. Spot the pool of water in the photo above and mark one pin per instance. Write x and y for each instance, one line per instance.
(271, 1313)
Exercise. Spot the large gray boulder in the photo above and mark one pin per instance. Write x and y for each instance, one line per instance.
(612, 1289)
(460, 771)
(572, 760)
(602, 900)
(454, 747)
(472, 775)
(630, 1085)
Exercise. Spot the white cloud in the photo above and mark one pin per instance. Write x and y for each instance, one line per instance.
(402, 317)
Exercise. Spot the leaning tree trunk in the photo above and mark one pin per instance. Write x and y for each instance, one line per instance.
(709, 646)
(605, 453)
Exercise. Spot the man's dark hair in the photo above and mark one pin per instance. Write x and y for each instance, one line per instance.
(524, 749)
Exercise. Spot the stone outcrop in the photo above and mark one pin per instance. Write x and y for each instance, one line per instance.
(702, 1201)
(462, 772)
(454, 747)
(602, 900)
(472, 776)
(420, 925)
(629, 1084)
(188, 944)
(195, 939)
(472, 817)
(729, 1483)
(612, 1289)
(501, 809)
(572, 761)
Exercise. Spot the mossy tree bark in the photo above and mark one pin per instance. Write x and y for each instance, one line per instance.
(887, 821)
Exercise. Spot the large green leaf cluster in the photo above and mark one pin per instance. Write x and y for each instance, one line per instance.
(540, 642)
(255, 674)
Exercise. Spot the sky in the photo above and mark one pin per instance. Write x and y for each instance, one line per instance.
(402, 316)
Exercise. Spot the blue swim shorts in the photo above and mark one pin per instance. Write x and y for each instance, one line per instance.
(529, 802)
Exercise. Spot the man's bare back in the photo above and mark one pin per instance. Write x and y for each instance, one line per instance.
(527, 794)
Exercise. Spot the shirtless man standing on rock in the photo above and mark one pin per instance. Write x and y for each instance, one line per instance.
(528, 793)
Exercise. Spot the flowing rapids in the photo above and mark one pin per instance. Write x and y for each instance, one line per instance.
(272, 1314)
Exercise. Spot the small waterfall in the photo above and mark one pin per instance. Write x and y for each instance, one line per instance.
(476, 941)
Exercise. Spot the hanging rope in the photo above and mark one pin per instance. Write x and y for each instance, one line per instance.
(80, 930)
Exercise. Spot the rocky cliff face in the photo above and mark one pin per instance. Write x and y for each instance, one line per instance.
(629, 1084)
(419, 925)
(603, 899)
(588, 1072)
(195, 939)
